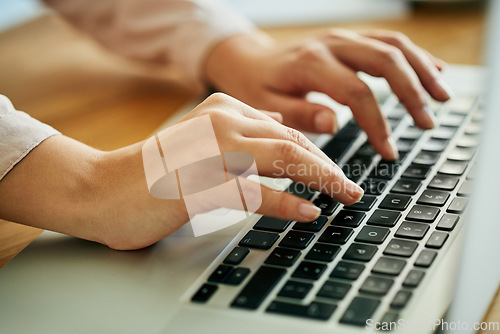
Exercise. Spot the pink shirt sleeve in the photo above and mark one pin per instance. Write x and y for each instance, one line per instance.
(19, 134)
(179, 33)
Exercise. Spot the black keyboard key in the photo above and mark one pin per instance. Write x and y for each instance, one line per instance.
(272, 224)
(405, 145)
(423, 213)
(296, 290)
(373, 186)
(376, 285)
(393, 123)
(444, 132)
(336, 148)
(360, 252)
(461, 154)
(301, 190)
(433, 197)
(447, 222)
(350, 131)
(453, 167)
(388, 266)
(204, 293)
(412, 132)
(259, 286)
(237, 276)
(283, 257)
(468, 141)
(452, 120)
(237, 255)
(347, 270)
(366, 150)
(326, 204)
(220, 274)
(388, 320)
(315, 310)
(359, 311)
(401, 299)
(259, 240)
(348, 218)
(309, 270)
(457, 205)
(336, 235)
(384, 218)
(414, 278)
(400, 247)
(426, 158)
(425, 258)
(437, 239)
(444, 182)
(474, 128)
(364, 204)
(334, 290)
(395, 202)
(417, 172)
(372, 235)
(356, 166)
(314, 226)
(406, 186)
(435, 145)
(385, 170)
(297, 239)
(465, 189)
(412, 230)
(323, 252)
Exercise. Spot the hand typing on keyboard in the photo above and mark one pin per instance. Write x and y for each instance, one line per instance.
(278, 78)
(124, 215)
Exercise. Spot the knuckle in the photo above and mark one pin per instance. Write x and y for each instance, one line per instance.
(358, 89)
(218, 98)
(289, 151)
(217, 115)
(391, 55)
(296, 137)
(339, 34)
(312, 51)
(397, 38)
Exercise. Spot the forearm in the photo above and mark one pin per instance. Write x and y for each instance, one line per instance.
(160, 33)
(71, 188)
(53, 188)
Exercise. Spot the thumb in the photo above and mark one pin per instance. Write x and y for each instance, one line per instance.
(301, 114)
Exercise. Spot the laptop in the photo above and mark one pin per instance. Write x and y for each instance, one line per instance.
(423, 238)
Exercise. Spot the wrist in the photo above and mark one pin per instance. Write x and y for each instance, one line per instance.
(130, 216)
(235, 60)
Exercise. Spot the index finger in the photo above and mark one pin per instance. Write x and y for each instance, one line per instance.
(353, 92)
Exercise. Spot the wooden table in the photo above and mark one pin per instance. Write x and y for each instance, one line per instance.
(62, 78)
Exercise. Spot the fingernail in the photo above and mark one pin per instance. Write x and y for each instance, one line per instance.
(446, 90)
(390, 149)
(429, 118)
(353, 190)
(309, 211)
(324, 122)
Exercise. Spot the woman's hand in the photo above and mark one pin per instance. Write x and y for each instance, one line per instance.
(255, 71)
(65, 186)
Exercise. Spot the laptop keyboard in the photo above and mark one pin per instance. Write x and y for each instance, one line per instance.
(355, 260)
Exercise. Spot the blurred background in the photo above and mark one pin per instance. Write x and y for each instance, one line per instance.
(266, 13)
